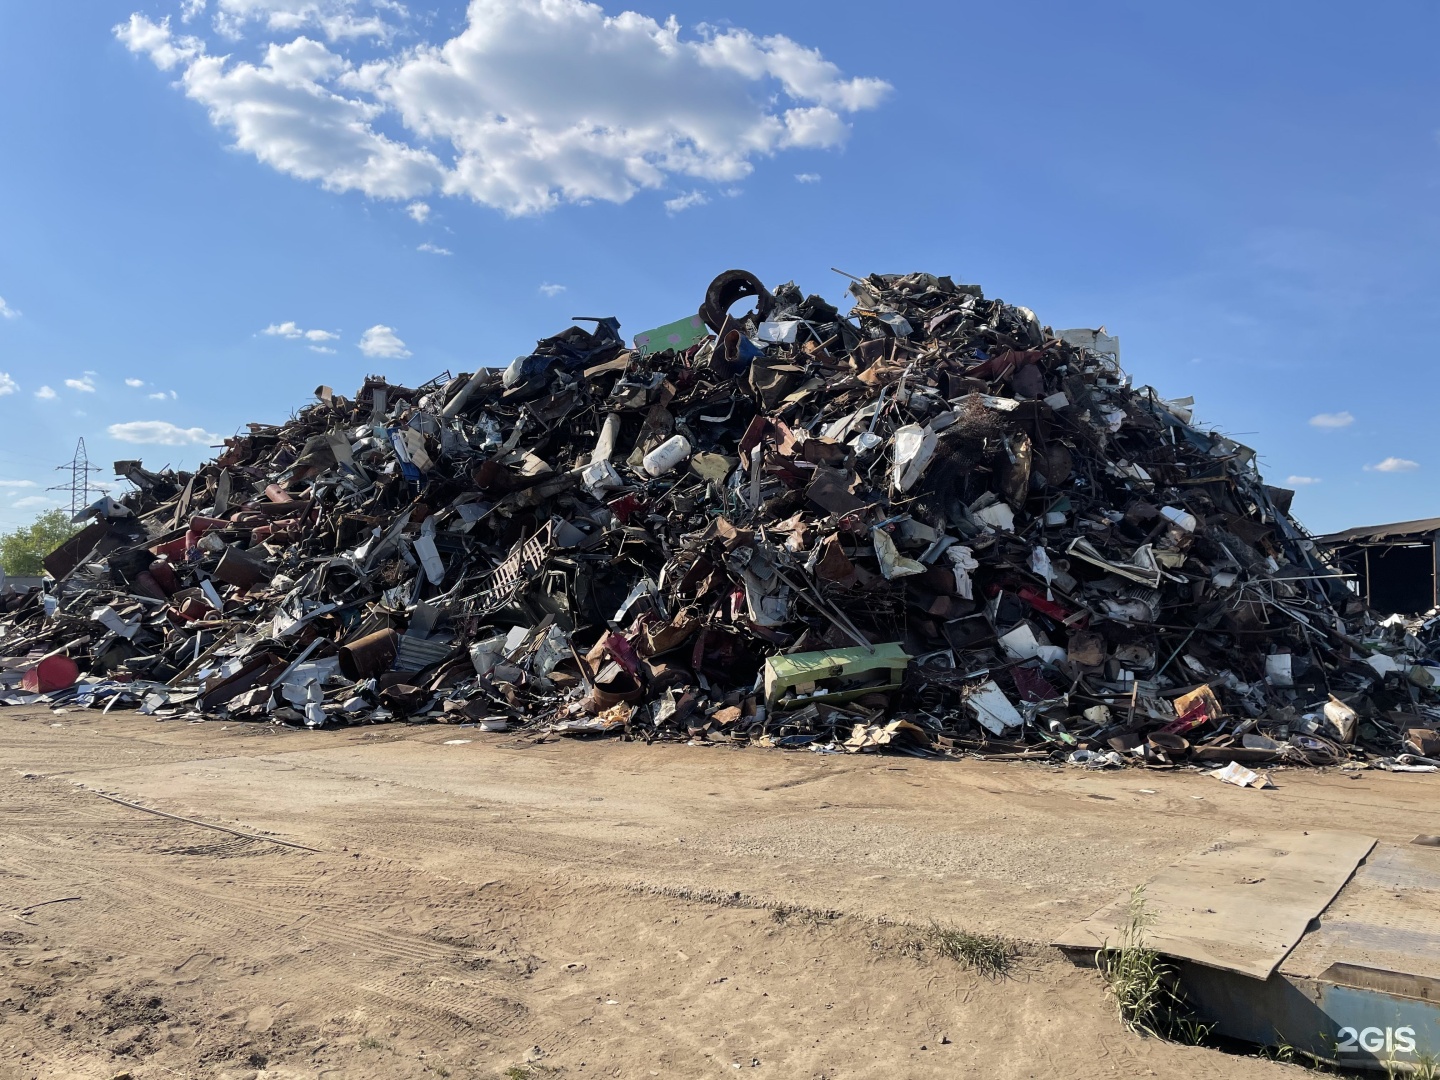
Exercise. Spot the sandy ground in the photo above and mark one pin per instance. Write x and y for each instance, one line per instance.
(476, 905)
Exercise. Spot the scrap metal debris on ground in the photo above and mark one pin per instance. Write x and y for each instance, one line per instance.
(933, 526)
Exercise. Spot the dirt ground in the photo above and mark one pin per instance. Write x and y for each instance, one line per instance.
(455, 903)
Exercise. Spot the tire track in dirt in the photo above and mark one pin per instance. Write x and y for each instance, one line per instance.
(281, 918)
(410, 994)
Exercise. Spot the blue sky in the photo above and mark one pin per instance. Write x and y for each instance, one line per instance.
(1246, 194)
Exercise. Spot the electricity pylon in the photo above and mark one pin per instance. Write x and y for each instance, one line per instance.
(80, 487)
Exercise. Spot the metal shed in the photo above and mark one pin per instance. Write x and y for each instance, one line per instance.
(1394, 565)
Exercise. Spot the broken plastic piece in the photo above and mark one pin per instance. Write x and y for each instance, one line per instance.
(839, 670)
(993, 709)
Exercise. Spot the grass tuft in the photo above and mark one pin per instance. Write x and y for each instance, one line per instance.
(1144, 986)
(990, 956)
(1280, 1051)
(1191, 1030)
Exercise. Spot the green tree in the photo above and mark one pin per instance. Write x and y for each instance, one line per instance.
(22, 549)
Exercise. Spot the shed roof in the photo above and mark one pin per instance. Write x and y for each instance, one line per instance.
(1396, 531)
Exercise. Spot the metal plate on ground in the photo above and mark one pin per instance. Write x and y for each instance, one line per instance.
(1387, 919)
(1240, 905)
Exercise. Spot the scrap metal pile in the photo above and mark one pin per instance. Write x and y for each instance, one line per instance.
(934, 526)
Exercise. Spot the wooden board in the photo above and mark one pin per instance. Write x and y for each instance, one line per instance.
(1241, 904)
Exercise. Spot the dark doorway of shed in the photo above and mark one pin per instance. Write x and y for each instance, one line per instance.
(1401, 578)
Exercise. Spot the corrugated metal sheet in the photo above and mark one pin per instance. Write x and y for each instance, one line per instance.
(416, 652)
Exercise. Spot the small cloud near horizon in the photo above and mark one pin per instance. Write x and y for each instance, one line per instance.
(161, 432)
(291, 332)
(1394, 464)
(684, 202)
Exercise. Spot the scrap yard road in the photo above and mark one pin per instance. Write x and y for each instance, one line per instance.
(433, 901)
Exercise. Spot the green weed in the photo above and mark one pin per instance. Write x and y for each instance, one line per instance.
(990, 956)
(1191, 1030)
(1281, 1051)
(1145, 987)
(1135, 975)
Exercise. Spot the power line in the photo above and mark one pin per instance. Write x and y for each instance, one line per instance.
(11, 459)
(80, 487)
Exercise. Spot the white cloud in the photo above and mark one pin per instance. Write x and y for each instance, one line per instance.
(7, 384)
(1394, 464)
(45, 393)
(18, 484)
(686, 201)
(135, 383)
(284, 113)
(433, 249)
(142, 35)
(1302, 481)
(419, 211)
(1331, 420)
(335, 18)
(189, 9)
(321, 349)
(532, 104)
(292, 332)
(85, 384)
(162, 432)
(6, 311)
(163, 395)
(808, 177)
(381, 341)
(547, 289)
(30, 501)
